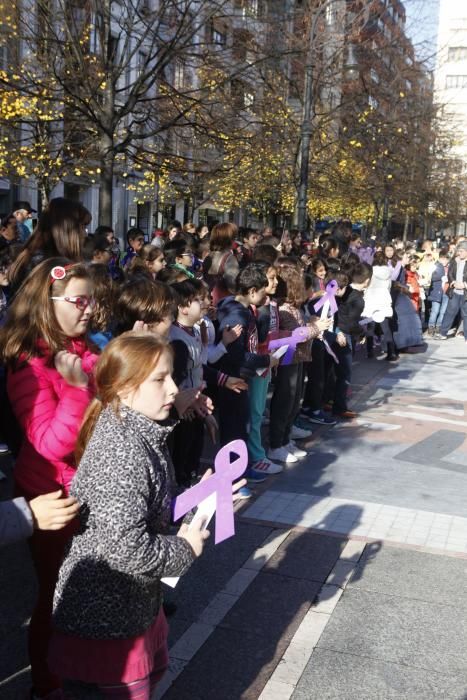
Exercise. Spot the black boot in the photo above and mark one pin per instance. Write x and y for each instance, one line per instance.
(392, 356)
(369, 347)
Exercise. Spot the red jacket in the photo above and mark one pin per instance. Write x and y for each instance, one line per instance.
(412, 279)
(50, 413)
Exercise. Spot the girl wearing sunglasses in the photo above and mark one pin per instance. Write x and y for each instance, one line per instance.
(49, 385)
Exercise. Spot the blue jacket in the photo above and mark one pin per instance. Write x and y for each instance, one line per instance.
(436, 287)
(241, 358)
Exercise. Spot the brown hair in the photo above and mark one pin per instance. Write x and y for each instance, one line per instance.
(222, 236)
(124, 365)
(104, 292)
(148, 253)
(142, 299)
(59, 232)
(291, 286)
(31, 317)
(379, 259)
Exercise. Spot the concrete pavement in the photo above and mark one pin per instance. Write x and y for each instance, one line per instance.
(347, 575)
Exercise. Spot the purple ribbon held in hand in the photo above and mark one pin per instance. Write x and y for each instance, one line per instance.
(328, 300)
(220, 483)
(299, 335)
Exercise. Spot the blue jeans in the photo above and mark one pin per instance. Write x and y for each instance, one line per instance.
(458, 302)
(438, 309)
(257, 396)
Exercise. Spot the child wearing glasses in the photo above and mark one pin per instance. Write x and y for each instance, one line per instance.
(180, 256)
(49, 385)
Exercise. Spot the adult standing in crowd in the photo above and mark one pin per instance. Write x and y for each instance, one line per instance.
(221, 266)
(22, 211)
(60, 231)
(457, 291)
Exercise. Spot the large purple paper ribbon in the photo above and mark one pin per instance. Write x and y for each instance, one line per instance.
(328, 296)
(299, 335)
(220, 483)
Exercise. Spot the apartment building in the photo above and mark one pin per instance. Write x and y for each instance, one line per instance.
(226, 36)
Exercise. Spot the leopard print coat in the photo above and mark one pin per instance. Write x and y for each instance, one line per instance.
(109, 583)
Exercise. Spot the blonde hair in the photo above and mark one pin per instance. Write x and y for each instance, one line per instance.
(123, 366)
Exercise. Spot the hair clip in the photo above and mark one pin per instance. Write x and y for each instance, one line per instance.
(59, 272)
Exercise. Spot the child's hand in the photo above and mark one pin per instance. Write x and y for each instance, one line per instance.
(341, 340)
(273, 361)
(140, 326)
(323, 323)
(195, 535)
(230, 334)
(236, 487)
(236, 384)
(186, 398)
(69, 366)
(203, 406)
(52, 512)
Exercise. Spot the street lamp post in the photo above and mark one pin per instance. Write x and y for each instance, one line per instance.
(306, 129)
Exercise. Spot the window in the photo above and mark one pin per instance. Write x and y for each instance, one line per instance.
(218, 35)
(457, 53)
(112, 49)
(142, 63)
(456, 81)
(97, 31)
(242, 94)
(249, 8)
(179, 75)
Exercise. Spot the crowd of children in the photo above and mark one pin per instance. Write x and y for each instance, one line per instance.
(117, 366)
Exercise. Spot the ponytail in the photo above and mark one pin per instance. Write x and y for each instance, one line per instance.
(91, 417)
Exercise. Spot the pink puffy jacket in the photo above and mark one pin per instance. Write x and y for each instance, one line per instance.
(50, 413)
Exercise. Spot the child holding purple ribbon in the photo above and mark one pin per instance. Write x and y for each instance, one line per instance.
(322, 362)
(285, 403)
(348, 323)
(110, 630)
(242, 357)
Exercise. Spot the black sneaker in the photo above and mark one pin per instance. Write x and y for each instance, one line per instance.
(320, 418)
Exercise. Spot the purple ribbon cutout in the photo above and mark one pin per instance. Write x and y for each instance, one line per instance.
(329, 296)
(220, 483)
(299, 335)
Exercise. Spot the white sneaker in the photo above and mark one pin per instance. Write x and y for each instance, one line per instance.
(295, 450)
(281, 454)
(299, 433)
(265, 466)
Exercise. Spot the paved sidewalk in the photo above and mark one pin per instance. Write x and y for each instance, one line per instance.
(390, 619)
(347, 575)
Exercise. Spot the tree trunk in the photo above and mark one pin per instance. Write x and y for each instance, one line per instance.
(106, 185)
(406, 227)
(44, 191)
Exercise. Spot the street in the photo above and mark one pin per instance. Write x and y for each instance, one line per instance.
(347, 574)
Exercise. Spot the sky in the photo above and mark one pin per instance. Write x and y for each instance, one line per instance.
(421, 26)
